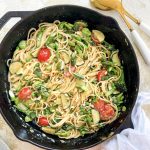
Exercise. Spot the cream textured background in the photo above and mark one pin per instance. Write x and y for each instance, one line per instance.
(140, 8)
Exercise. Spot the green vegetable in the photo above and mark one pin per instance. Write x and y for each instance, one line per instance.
(17, 48)
(85, 56)
(62, 133)
(47, 111)
(32, 115)
(79, 25)
(22, 44)
(53, 46)
(12, 96)
(67, 27)
(120, 84)
(86, 32)
(39, 37)
(118, 99)
(81, 85)
(71, 43)
(78, 76)
(28, 119)
(73, 58)
(68, 127)
(115, 58)
(15, 67)
(98, 35)
(93, 99)
(48, 130)
(65, 57)
(60, 65)
(38, 72)
(95, 116)
(65, 101)
(79, 49)
(83, 130)
(50, 40)
(108, 46)
(124, 108)
(21, 107)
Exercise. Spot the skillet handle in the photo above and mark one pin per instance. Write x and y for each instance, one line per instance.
(5, 18)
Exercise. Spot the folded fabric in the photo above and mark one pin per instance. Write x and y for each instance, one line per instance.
(139, 137)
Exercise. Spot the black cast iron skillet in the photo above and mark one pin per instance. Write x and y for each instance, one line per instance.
(30, 132)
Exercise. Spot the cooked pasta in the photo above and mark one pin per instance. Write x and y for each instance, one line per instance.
(67, 79)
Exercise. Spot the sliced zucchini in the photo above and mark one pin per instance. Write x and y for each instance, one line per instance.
(48, 130)
(95, 116)
(22, 107)
(80, 84)
(79, 61)
(11, 94)
(73, 58)
(20, 71)
(115, 58)
(14, 67)
(60, 65)
(65, 57)
(65, 101)
(98, 35)
(22, 44)
(28, 119)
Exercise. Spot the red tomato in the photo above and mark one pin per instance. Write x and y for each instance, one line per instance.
(99, 105)
(43, 121)
(106, 110)
(43, 54)
(96, 41)
(24, 93)
(101, 73)
(107, 113)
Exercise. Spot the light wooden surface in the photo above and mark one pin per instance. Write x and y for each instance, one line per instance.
(140, 8)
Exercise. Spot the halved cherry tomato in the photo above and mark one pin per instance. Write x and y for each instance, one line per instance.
(101, 73)
(106, 110)
(96, 41)
(43, 121)
(107, 113)
(24, 93)
(43, 54)
(99, 105)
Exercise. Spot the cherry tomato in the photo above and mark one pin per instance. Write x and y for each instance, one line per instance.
(106, 110)
(43, 121)
(99, 105)
(96, 41)
(107, 113)
(101, 73)
(24, 93)
(43, 54)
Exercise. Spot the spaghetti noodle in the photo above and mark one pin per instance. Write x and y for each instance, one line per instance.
(67, 79)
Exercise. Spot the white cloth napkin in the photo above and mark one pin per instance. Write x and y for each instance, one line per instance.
(139, 137)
